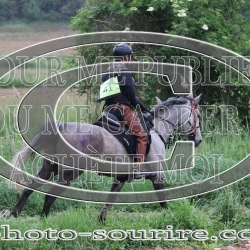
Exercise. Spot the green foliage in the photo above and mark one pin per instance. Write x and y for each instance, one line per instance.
(227, 208)
(32, 10)
(222, 22)
(35, 10)
(9, 9)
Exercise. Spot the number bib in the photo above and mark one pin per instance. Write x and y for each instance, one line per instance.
(109, 88)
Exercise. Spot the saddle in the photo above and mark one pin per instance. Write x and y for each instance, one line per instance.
(113, 125)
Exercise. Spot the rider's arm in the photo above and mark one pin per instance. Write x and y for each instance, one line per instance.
(127, 87)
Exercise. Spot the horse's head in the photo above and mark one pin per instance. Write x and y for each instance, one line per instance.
(189, 122)
(181, 114)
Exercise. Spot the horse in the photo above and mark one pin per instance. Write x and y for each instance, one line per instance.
(179, 114)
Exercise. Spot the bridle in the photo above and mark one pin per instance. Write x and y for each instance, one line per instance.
(194, 107)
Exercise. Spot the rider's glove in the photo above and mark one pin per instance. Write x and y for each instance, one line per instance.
(143, 108)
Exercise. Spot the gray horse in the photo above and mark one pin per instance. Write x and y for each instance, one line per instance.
(180, 114)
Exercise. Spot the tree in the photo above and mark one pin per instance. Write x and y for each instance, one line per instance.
(221, 22)
(33, 10)
(9, 9)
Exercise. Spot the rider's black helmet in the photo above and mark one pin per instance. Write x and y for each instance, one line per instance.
(122, 49)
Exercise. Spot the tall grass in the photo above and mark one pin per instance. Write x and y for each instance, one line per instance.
(34, 71)
(227, 208)
(20, 27)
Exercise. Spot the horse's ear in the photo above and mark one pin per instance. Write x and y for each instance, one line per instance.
(197, 99)
(158, 100)
(190, 96)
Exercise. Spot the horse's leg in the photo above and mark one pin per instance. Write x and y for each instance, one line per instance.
(45, 173)
(68, 177)
(116, 187)
(158, 184)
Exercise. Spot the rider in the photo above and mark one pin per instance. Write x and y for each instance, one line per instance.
(123, 97)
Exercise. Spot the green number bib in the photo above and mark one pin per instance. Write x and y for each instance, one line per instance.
(109, 88)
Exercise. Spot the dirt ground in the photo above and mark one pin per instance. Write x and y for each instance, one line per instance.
(13, 41)
(15, 96)
(15, 92)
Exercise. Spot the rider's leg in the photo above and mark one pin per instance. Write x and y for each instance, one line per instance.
(135, 126)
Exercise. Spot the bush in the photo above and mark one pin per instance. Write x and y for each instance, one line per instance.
(220, 22)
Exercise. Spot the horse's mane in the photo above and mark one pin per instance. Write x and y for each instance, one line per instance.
(170, 102)
(175, 101)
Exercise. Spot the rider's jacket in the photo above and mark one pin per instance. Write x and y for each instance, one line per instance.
(126, 83)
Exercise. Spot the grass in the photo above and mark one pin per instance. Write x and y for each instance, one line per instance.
(21, 27)
(18, 35)
(180, 214)
(227, 208)
(34, 71)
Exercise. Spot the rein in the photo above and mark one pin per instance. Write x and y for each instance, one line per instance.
(165, 120)
(166, 143)
(193, 108)
(192, 111)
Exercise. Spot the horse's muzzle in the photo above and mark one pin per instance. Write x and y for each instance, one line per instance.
(197, 141)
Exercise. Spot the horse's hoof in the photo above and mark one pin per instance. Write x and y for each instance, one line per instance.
(43, 216)
(164, 205)
(6, 213)
(101, 220)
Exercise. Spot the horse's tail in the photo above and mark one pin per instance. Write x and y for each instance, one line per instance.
(46, 135)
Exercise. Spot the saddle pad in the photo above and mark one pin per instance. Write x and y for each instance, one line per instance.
(126, 137)
(128, 140)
